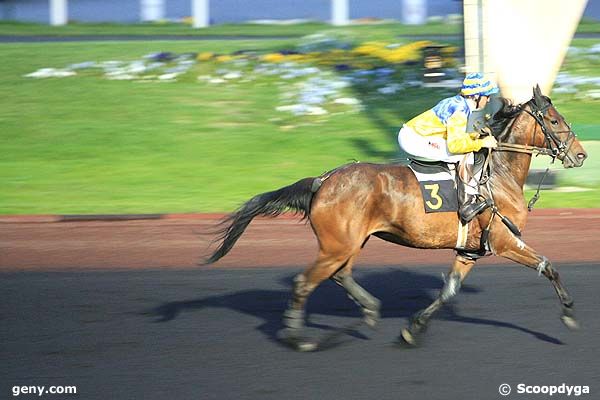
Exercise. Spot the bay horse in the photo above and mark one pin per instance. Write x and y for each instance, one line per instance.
(355, 201)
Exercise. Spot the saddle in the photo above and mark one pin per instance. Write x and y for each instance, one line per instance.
(438, 182)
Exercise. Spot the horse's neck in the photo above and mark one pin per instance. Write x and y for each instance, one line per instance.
(519, 164)
(513, 166)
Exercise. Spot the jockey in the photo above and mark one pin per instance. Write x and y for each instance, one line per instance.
(440, 134)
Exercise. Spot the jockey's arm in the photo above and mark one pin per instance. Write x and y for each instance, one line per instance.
(458, 140)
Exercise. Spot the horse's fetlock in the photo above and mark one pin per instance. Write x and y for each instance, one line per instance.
(293, 318)
(451, 288)
(545, 267)
(568, 303)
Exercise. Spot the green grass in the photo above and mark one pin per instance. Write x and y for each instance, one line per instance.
(586, 176)
(295, 30)
(375, 30)
(89, 145)
(582, 112)
(588, 25)
(559, 199)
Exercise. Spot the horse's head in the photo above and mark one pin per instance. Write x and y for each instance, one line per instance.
(552, 132)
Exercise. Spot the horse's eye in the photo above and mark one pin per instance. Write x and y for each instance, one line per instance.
(554, 122)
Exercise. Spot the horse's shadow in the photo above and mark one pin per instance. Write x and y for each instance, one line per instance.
(401, 292)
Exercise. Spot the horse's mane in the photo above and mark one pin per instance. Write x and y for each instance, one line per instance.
(501, 120)
(502, 163)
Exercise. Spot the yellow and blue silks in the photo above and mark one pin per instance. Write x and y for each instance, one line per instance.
(448, 119)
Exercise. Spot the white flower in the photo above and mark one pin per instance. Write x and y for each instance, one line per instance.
(232, 75)
(593, 49)
(50, 73)
(315, 110)
(136, 67)
(349, 101)
(303, 109)
(168, 77)
(120, 76)
(390, 89)
(564, 89)
(593, 94)
(83, 65)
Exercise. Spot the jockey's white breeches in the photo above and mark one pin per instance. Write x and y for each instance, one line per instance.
(429, 148)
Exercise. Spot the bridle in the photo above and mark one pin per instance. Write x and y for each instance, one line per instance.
(555, 147)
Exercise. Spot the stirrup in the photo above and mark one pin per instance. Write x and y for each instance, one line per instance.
(470, 211)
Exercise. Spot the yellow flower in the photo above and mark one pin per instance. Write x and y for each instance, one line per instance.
(205, 56)
(224, 58)
(273, 57)
(401, 54)
(297, 57)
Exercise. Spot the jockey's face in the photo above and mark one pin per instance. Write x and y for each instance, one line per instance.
(482, 101)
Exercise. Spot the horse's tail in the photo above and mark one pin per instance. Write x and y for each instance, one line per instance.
(297, 197)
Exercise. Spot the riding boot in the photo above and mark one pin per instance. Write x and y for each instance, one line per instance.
(469, 205)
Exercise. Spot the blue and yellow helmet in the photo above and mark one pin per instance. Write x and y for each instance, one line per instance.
(477, 84)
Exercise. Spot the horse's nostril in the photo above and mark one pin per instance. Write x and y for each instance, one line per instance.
(581, 156)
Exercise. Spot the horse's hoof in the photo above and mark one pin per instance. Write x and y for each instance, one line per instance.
(292, 338)
(570, 322)
(408, 337)
(306, 346)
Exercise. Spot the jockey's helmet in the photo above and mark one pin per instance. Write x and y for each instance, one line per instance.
(477, 84)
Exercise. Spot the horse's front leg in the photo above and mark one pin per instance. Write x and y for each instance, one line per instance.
(513, 248)
(459, 271)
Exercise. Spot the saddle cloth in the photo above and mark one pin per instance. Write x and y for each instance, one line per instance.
(438, 185)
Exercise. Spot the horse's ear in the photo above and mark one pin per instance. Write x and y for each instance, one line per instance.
(538, 98)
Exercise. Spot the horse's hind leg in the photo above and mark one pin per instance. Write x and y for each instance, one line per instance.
(304, 284)
(368, 303)
(459, 271)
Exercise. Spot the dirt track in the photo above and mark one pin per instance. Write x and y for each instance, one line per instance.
(562, 235)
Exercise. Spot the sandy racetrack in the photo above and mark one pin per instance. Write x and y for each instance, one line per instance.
(180, 241)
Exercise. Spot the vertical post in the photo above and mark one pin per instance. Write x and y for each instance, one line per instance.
(152, 10)
(414, 12)
(200, 13)
(473, 32)
(339, 12)
(58, 12)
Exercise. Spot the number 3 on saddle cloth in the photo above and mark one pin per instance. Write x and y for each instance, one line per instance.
(438, 186)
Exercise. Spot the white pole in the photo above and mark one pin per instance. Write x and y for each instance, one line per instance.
(152, 10)
(58, 12)
(339, 12)
(200, 13)
(414, 12)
